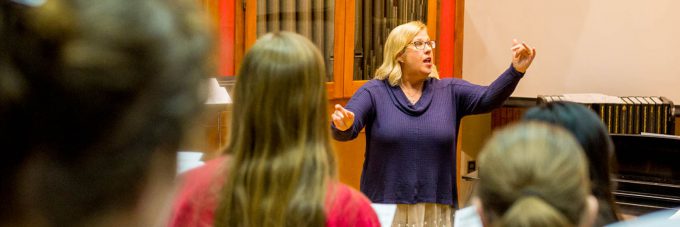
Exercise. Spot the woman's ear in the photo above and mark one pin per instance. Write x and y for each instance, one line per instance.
(590, 213)
(400, 57)
(480, 210)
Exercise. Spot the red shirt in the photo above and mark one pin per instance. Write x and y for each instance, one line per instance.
(198, 197)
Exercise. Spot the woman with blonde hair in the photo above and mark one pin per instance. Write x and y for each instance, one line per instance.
(534, 174)
(412, 118)
(279, 168)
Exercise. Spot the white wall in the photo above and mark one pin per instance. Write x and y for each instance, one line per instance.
(616, 47)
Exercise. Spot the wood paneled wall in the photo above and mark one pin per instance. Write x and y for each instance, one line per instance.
(506, 115)
(227, 20)
(211, 132)
(349, 155)
(677, 125)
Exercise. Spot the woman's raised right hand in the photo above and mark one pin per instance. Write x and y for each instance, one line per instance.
(342, 118)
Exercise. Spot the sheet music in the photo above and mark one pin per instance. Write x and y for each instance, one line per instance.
(659, 135)
(663, 218)
(385, 213)
(467, 217)
(187, 160)
(592, 98)
(675, 216)
(217, 94)
(657, 100)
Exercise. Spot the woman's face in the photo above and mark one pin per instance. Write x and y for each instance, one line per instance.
(415, 61)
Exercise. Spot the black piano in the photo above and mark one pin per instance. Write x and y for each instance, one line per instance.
(648, 173)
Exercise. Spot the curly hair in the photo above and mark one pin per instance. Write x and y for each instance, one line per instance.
(92, 90)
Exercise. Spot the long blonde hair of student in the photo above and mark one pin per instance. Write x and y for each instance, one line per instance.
(533, 174)
(396, 43)
(282, 159)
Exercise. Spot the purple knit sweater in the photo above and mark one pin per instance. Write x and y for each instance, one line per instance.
(410, 149)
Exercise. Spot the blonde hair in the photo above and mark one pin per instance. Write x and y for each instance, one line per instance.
(592, 134)
(397, 40)
(282, 157)
(533, 174)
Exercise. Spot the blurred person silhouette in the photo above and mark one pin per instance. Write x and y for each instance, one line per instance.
(95, 98)
(534, 174)
(594, 138)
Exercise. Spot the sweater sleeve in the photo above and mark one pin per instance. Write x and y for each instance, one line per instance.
(361, 104)
(476, 99)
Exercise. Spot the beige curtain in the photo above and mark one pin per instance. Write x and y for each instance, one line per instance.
(374, 21)
(313, 19)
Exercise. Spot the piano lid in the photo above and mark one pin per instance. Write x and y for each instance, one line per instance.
(648, 172)
(648, 157)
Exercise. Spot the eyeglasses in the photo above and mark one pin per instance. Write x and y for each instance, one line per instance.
(420, 45)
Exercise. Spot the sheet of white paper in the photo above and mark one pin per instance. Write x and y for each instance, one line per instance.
(467, 217)
(662, 218)
(592, 98)
(385, 213)
(675, 216)
(217, 94)
(660, 135)
(187, 160)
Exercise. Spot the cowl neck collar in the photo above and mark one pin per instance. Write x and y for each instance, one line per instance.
(399, 98)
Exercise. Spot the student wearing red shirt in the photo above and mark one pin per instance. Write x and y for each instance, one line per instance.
(279, 168)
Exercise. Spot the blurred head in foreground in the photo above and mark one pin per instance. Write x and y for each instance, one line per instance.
(95, 98)
(593, 137)
(534, 174)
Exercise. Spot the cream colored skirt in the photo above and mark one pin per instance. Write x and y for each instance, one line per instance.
(422, 215)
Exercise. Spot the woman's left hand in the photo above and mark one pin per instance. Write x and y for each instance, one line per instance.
(522, 55)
